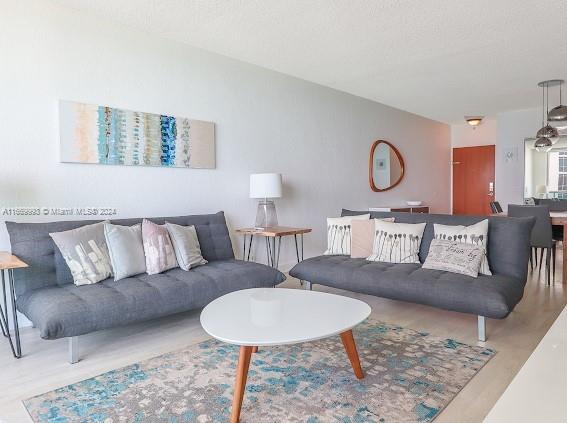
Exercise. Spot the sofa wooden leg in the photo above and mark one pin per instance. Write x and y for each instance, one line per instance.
(482, 328)
(73, 349)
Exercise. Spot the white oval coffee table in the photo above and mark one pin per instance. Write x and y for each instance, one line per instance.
(259, 317)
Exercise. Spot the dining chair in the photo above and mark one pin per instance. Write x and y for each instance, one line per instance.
(555, 205)
(542, 234)
(495, 207)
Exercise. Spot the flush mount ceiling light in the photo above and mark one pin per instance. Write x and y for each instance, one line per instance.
(547, 135)
(474, 121)
(558, 113)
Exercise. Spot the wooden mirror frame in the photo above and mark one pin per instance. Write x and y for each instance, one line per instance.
(371, 164)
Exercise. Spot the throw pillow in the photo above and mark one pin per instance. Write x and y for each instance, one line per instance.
(186, 245)
(158, 249)
(476, 234)
(363, 237)
(456, 257)
(396, 242)
(339, 233)
(85, 252)
(126, 250)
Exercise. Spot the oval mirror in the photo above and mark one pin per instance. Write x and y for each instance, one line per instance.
(386, 166)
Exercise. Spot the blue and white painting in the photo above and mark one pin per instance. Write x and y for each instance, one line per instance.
(107, 135)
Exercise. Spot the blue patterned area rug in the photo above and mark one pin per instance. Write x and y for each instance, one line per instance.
(409, 377)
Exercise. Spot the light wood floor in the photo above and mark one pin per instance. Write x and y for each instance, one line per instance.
(45, 366)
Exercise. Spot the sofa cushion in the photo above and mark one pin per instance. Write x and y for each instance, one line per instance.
(490, 296)
(70, 310)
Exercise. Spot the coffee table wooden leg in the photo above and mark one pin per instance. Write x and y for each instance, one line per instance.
(240, 385)
(254, 349)
(350, 347)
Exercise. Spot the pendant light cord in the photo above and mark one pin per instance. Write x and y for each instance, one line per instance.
(547, 104)
(542, 106)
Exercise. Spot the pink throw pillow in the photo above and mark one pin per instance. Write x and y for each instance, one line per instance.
(158, 249)
(363, 237)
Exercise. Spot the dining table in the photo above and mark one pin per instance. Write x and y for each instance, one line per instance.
(558, 218)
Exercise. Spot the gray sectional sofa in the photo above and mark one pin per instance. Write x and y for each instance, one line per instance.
(486, 296)
(46, 295)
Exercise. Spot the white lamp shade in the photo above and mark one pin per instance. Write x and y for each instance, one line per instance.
(266, 185)
(541, 189)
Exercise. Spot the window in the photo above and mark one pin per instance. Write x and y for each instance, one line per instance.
(561, 175)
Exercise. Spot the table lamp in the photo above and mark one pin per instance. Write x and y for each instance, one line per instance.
(541, 191)
(266, 186)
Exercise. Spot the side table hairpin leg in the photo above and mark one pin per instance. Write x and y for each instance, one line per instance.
(268, 251)
(16, 349)
(3, 318)
(299, 258)
(277, 255)
(244, 255)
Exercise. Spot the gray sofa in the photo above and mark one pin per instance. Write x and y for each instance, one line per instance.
(486, 296)
(46, 295)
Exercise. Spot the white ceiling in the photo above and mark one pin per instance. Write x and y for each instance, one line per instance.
(438, 58)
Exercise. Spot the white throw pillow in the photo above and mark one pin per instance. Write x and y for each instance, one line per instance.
(455, 257)
(476, 234)
(396, 242)
(339, 233)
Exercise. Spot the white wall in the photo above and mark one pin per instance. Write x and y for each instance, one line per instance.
(464, 135)
(512, 129)
(318, 138)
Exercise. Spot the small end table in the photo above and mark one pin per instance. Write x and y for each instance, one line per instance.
(271, 234)
(9, 262)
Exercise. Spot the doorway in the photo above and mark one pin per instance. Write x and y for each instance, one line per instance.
(473, 180)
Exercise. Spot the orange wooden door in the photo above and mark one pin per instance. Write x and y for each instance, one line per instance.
(473, 180)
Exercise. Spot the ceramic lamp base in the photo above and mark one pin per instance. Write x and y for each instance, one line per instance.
(266, 216)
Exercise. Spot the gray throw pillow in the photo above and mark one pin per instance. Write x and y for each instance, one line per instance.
(455, 257)
(85, 252)
(126, 250)
(186, 245)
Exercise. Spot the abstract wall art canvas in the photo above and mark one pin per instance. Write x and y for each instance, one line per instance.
(107, 135)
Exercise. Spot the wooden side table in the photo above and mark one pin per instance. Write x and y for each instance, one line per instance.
(271, 235)
(8, 263)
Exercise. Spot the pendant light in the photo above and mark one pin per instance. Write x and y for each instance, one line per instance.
(547, 131)
(543, 143)
(558, 113)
